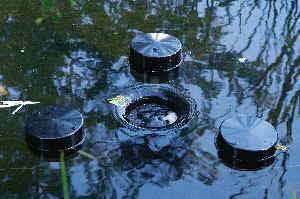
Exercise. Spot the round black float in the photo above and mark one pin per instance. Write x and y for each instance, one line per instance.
(246, 143)
(55, 129)
(155, 56)
(154, 107)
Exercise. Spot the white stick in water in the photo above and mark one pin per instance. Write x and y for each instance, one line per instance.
(171, 117)
(20, 104)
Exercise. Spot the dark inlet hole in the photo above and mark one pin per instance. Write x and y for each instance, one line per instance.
(154, 112)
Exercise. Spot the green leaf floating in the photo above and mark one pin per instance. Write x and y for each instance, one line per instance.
(281, 147)
(119, 100)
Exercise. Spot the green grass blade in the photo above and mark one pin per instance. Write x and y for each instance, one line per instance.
(64, 177)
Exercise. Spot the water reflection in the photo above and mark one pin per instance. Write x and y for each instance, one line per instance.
(80, 59)
(129, 166)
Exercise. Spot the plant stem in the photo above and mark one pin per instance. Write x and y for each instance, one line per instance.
(64, 177)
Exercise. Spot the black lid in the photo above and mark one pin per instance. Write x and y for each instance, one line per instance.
(153, 107)
(155, 52)
(55, 128)
(248, 133)
(247, 143)
(155, 78)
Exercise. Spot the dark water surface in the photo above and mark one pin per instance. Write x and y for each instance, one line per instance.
(240, 56)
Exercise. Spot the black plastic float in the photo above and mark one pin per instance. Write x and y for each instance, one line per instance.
(246, 142)
(155, 112)
(54, 129)
(154, 107)
(155, 57)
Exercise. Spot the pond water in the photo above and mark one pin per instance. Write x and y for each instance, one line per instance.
(239, 56)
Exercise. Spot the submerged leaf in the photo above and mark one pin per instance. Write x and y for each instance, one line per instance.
(3, 91)
(39, 20)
